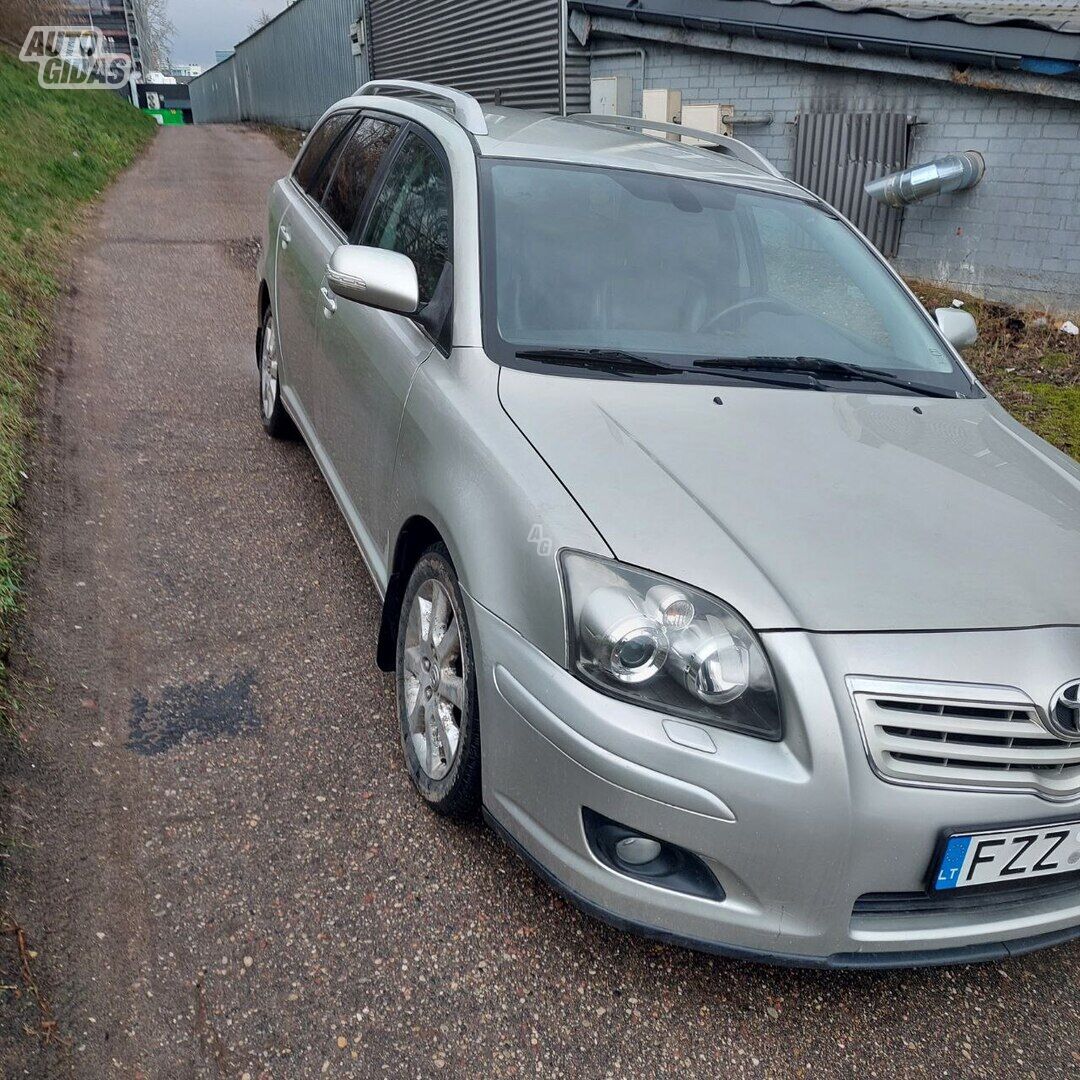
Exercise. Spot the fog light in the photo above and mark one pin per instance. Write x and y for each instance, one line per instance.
(648, 859)
(637, 850)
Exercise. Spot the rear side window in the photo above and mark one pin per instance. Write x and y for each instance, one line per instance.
(412, 213)
(313, 169)
(356, 168)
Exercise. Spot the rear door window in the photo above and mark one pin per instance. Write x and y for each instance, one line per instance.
(356, 169)
(313, 169)
(412, 212)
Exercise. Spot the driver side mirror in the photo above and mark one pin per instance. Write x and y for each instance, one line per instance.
(958, 327)
(376, 277)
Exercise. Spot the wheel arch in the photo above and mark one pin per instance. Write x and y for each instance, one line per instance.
(416, 535)
(264, 304)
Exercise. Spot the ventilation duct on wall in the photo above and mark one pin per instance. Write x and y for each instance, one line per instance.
(953, 172)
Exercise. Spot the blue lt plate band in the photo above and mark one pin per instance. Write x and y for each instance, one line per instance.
(952, 862)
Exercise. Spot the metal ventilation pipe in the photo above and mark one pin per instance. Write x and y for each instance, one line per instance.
(953, 172)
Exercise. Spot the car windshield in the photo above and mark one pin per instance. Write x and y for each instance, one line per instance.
(635, 266)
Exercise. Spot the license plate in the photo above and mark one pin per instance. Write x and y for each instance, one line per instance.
(1011, 855)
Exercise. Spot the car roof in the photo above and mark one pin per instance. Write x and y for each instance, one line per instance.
(521, 134)
(534, 136)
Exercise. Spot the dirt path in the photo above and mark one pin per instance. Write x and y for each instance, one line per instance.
(230, 875)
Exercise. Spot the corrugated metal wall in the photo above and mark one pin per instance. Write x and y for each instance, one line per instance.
(288, 72)
(494, 49)
(214, 95)
(301, 62)
(837, 152)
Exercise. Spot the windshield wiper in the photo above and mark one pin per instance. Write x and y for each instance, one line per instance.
(623, 363)
(817, 365)
(613, 360)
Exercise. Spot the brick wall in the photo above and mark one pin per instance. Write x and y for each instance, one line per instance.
(1015, 236)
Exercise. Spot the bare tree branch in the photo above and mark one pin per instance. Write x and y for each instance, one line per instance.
(261, 20)
(157, 34)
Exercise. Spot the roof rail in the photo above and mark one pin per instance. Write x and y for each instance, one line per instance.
(467, 110)
(746, 154)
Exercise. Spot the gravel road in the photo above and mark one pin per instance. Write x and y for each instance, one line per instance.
(228, 874)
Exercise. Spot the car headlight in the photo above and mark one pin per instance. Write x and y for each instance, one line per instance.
(666, 646)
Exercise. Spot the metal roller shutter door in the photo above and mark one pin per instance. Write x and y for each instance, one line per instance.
(494, 49)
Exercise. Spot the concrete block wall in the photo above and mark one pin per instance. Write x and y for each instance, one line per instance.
(1016, 236)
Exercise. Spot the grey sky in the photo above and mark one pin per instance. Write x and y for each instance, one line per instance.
(203, 26)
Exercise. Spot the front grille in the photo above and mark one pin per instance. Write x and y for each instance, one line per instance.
(957, 736)
(977, 898)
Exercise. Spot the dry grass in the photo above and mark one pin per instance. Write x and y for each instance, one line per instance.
(288, 139)
(1029, 364)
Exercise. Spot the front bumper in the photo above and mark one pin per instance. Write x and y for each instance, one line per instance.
(795, 832)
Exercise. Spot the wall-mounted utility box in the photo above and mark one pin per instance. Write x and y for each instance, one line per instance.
(665, 105)
(356, 37)
(610, 95)
(708, 117)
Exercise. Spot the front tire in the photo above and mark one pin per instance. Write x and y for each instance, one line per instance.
(436, 689)
(275, 419)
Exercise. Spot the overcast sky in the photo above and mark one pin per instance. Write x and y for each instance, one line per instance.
(204, 26)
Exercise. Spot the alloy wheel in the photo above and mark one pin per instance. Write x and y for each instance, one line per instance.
(434, 681)
(268, 369)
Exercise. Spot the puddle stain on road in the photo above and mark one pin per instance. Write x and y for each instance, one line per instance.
(198, 712)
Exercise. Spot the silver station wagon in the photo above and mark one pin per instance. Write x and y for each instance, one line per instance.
(709, 570)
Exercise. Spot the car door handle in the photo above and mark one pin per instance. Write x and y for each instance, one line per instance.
(286, 237)
(329, 303)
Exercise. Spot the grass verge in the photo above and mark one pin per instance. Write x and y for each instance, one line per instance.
(58, 149)
(289, 140)
(1029, 364)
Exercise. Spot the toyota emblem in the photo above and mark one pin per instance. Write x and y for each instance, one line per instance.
(1063, 719)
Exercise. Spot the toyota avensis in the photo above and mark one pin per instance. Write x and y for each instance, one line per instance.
(709, 570)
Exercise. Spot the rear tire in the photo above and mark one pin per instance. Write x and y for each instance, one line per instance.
(436, 689)
(275, 419)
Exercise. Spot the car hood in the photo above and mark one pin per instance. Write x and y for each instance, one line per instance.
(825, 511)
